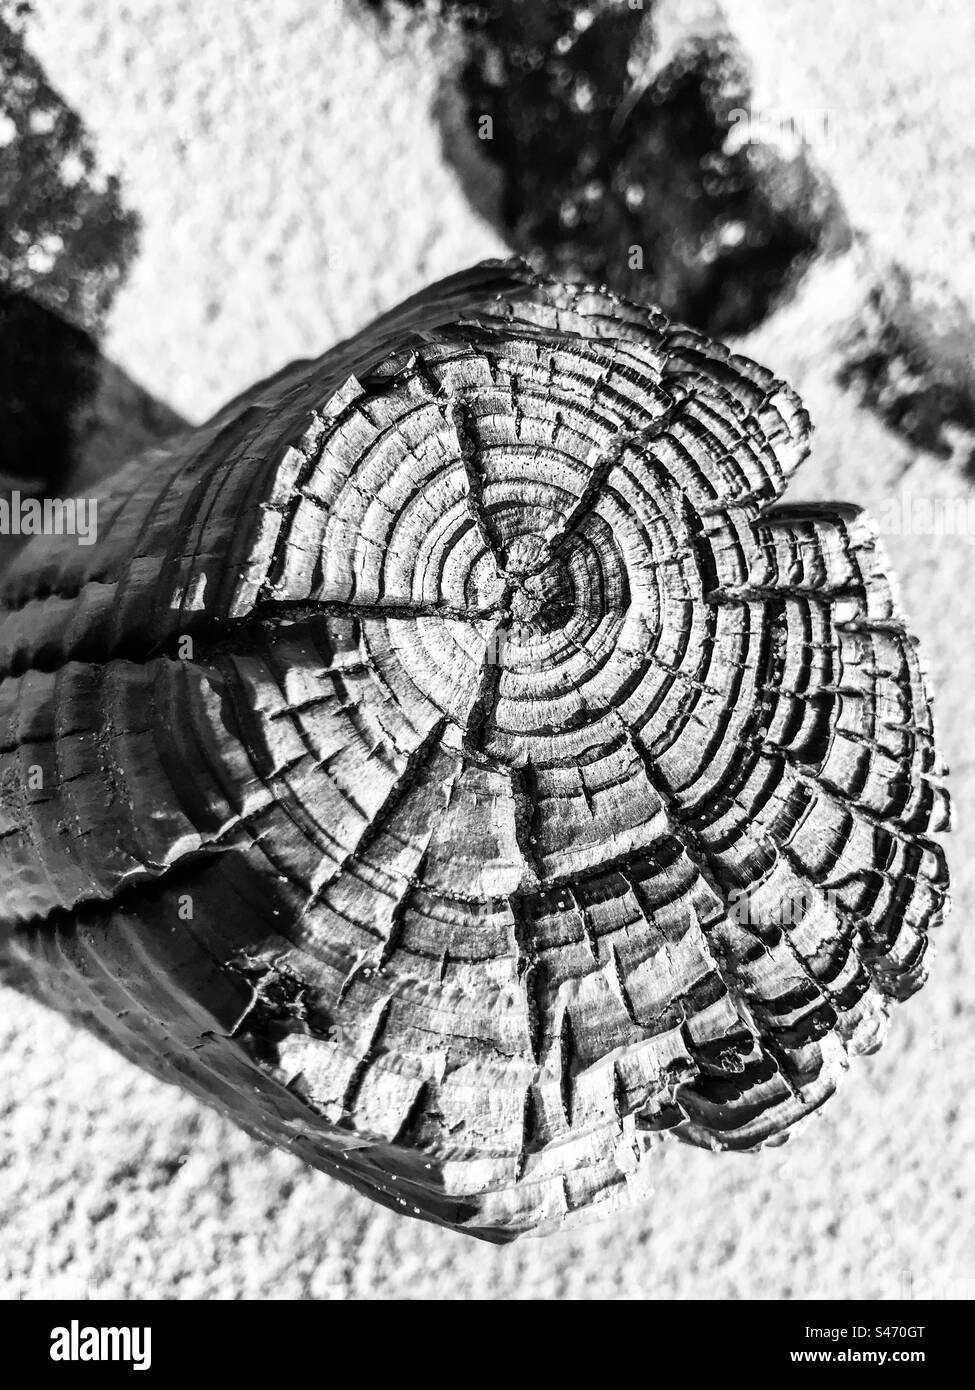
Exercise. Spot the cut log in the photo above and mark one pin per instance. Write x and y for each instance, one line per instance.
(457, 764)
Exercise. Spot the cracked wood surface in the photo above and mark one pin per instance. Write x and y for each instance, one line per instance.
(457, 764)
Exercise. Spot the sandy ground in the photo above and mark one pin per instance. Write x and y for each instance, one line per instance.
(271, 227)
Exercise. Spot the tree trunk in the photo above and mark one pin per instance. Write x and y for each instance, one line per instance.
(452, 762)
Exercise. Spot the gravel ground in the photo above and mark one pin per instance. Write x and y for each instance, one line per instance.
(287, 166)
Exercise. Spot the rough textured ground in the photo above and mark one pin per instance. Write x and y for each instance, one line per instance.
(288, 170)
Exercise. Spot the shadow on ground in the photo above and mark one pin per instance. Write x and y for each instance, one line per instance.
(612, 143)
(66, 242)
(602, 140)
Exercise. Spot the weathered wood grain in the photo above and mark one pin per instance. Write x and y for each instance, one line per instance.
(457, 764)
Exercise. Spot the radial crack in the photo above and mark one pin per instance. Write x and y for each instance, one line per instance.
(601, 464)
(458, 417)
(416, 762)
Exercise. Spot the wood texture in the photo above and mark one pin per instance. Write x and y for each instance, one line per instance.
(454, 762)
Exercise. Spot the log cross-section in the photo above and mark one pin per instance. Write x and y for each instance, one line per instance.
(456, 763)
